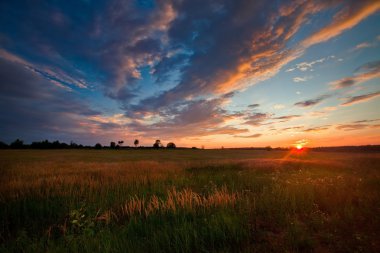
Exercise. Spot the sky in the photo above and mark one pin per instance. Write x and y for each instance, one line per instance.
(232, 73)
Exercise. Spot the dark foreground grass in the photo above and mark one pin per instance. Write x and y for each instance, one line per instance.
(188, 201)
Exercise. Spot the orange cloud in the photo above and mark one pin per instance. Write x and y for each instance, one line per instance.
(344, 20)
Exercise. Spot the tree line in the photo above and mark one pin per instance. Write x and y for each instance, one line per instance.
(19, 144)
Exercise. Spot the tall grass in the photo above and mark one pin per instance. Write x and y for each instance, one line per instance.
(195, 201)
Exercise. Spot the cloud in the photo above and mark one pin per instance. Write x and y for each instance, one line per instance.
(364, 73)
(279, 106)
(256, 119)
(366, 121)
(351, 127)
(306, 66)
(215, 65)
(171, 66)
(316, 129)
(345, 19)
(35, 109)
(300, 79)
(363, 45)
(292, 128)
(253, 106)
(287, 117)
(248, 136)
(56, 76)
(358, 125)
(361, 98)
(202, 117)
(312, 102)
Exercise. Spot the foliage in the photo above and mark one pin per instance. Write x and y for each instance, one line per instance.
(157, 144)
(17, 144)
(171, 145)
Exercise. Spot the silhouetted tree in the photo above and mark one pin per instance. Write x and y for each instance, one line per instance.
(120, 143)
(157, 144)
(73, 144)
(3, 145)
(171, 145)
(98, 146)
(17, 144)
(136, 143)
(268, 148)
(112, 144)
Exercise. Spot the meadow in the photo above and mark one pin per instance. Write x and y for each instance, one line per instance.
(189, 201)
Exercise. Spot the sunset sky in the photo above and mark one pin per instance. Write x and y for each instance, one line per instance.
(214, 73)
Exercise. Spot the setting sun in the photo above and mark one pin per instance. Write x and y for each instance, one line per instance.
(299, 147)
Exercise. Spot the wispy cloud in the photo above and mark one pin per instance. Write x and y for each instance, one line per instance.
(361, 98)
(287, 117)
(312, 102)
(253, 106)
(306, 66)
(55, 75)
(249, 136)
(316, 129)
(363, 45)
(300, 79)
(364, 73)
(347, 18)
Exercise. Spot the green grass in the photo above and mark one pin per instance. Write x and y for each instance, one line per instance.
(224, 201)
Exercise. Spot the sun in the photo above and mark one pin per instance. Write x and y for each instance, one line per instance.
(299, 146)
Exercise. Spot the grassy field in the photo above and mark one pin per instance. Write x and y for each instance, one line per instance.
(188, 201)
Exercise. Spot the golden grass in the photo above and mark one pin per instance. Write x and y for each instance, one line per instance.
(174, 201)
(37, 177)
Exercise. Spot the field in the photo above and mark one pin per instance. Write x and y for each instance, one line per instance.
(188, 201)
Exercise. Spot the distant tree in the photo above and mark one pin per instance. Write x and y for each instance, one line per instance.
(112, 144)
(17, 144)
(157, 144)
(194, 148)
(268, 148)
(3, 145)
(73, 144)
(171, 145)
(98, 146)
(120, 143)
(136, 142)
(203, 147)
(55, 144)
